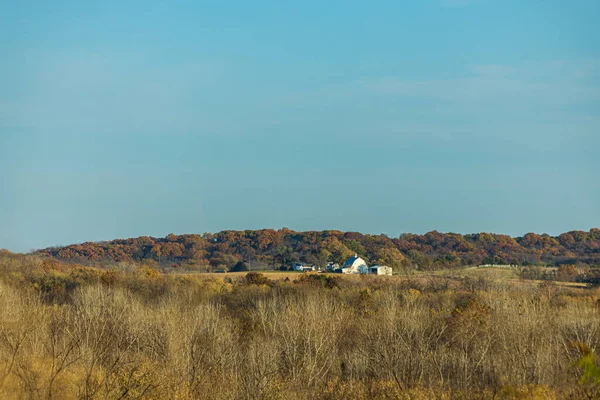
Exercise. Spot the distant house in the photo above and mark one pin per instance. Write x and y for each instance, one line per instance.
(380, 270)
(331, 267)
(300, 267)
(355, 265)
(297, 266)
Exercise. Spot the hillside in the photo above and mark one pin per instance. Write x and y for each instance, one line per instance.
(273, 248)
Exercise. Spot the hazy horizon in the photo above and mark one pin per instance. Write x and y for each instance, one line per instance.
(150, 118)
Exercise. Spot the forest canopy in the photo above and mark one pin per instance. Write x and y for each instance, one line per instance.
(269, 248)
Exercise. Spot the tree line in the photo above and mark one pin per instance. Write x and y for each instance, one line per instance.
(269, 248)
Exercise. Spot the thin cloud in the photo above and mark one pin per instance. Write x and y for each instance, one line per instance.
(543, 82)
(493, 70)
(459, 3)
(525, 94)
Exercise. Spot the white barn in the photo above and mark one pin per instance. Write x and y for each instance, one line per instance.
(355, 265)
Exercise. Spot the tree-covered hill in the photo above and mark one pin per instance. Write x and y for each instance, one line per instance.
(274, 248)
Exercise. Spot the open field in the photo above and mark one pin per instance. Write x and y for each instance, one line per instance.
(495, 273)
(276, 275)
(500, 272)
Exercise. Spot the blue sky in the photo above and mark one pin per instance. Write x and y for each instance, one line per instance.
(157, 117)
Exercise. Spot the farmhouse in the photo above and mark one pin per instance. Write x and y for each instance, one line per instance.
(303, 267)
(331, 267)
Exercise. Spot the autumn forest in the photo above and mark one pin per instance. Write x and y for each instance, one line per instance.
(267, 249)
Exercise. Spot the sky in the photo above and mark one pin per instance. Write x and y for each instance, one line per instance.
(121, 119)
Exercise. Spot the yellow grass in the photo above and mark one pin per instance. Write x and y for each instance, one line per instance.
(507, 274)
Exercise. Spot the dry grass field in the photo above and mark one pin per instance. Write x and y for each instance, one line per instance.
(499, 274)
(72, 332)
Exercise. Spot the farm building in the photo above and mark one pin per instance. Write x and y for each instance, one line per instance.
(355, 265)
(303, 267)
(331, 267)
(380, 270)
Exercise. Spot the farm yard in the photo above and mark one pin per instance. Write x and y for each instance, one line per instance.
(494, 273)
